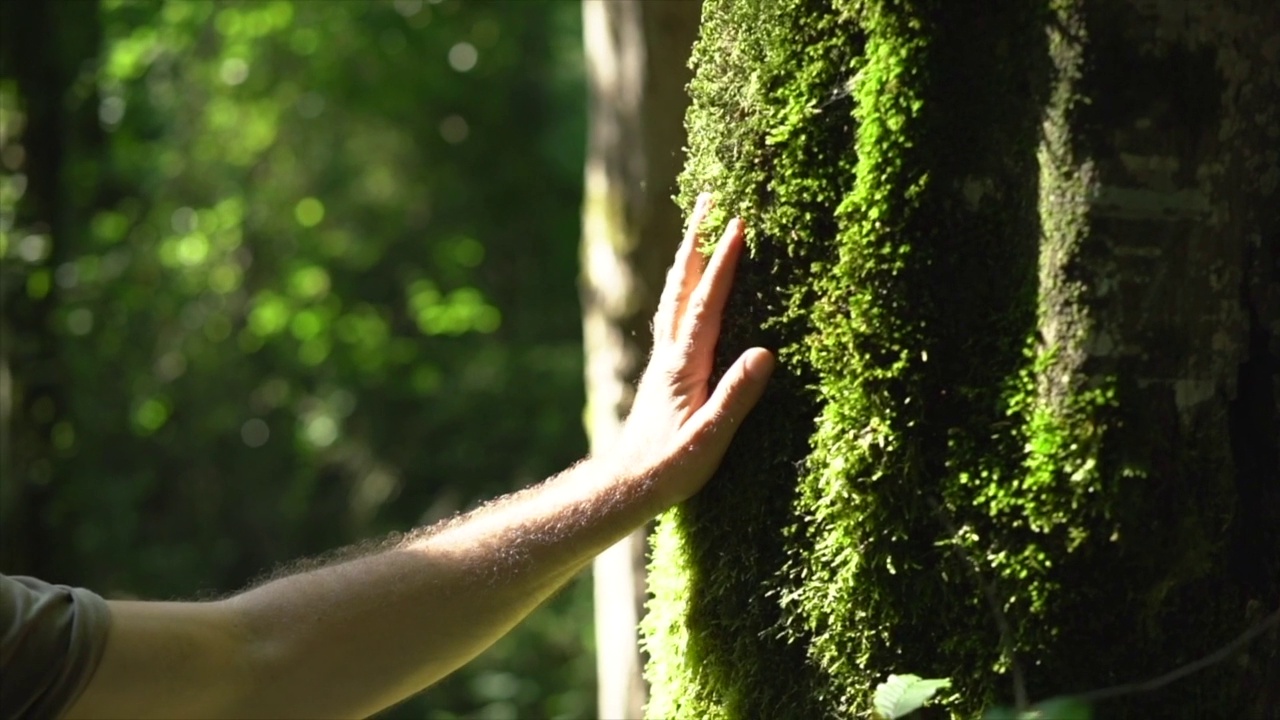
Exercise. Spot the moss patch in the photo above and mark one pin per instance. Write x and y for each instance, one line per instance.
(923, 242)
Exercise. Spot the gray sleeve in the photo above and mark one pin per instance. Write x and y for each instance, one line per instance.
(52, 640)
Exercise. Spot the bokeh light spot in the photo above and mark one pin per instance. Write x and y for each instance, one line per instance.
(34, 247)
(255, 432)
(80, 321)
(111, 110)
(306, 325)
(463, 56)
(150, 415)
(184, 220)
(309, 212)
(321, 431)
(305, 41)
(408, 8)
(63, 435)
(454, 129)
(192, 250)
(234, 71)
(309, 282)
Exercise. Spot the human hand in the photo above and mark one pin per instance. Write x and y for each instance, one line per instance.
(679, 426)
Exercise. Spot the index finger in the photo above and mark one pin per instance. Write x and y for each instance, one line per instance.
(684, 275)
(706, 304)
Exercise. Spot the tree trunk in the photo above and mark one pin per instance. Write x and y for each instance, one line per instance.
(48, 49)
(1023, 267)
(637, 58)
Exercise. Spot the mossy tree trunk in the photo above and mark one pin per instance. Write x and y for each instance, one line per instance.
(637, 55)
(1022, 264)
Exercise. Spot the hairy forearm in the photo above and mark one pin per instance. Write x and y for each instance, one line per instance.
(352, 638)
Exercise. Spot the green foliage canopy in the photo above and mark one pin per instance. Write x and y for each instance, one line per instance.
(317, 283)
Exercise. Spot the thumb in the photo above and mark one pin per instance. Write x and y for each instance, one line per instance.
(735, 395)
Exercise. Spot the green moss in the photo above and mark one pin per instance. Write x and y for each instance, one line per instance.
(808, 569)
(919, 218)
(766, 74)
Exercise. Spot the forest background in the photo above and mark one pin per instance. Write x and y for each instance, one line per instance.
(281, 276)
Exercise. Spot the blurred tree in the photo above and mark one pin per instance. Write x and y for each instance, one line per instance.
(1026, 296)
(50, 143)
(637, 60)
(322, 288)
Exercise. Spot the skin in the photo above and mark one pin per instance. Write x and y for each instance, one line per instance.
(352, 638)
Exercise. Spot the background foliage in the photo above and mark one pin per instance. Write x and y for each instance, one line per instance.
(281, 275)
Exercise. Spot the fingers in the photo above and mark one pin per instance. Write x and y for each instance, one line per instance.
(684, 274)
(706, 304)
(693, 261)
(716, 422)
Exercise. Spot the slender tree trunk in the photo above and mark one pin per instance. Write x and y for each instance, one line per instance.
(48, 51)
(637, 57)
(1022, 267)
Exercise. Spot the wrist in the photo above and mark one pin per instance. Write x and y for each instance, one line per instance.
(634, 480)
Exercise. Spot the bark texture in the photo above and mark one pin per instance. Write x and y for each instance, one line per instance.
(637, 58)
(1021, 263)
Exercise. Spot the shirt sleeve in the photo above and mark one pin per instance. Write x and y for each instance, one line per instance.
(52, 640)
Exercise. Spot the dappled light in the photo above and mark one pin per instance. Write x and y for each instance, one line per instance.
(282, 275)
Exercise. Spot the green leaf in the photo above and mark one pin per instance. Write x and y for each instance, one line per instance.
(901, 695)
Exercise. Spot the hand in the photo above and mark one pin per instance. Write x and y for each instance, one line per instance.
(679, 427)
(426, 605)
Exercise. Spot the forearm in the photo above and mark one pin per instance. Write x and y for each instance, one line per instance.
(355, 637)
(350, 639)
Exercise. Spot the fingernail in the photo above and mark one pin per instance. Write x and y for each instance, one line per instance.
(760, 365)
(704, 199)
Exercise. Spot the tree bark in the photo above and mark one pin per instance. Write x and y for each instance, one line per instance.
(1021, 266)
(637, 58)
